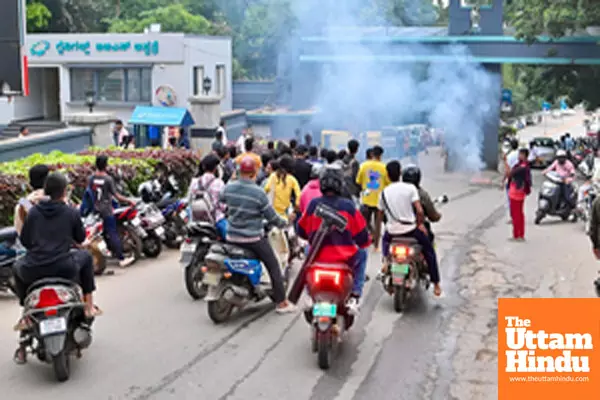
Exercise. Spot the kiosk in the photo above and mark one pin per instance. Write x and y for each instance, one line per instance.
(150, 123)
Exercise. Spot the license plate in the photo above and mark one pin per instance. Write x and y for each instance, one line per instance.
(54, 325)
(160, 231)
(400, 269)
(211, 279)
(136, 221)
(188, 247)
(324, 310)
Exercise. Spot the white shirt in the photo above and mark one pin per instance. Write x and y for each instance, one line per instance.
(241, 142)
(532, 155)
(224, 132)
(512, 158)
(398, 207)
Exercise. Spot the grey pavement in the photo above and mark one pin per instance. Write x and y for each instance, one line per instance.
(154, 342)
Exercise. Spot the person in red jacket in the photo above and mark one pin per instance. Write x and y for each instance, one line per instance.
(343, 247)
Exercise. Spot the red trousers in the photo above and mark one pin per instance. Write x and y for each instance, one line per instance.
(517, 215)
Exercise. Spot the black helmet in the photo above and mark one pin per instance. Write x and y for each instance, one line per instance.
(332, 180)
(412, 174)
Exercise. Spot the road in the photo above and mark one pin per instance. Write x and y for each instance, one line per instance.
(154, 342)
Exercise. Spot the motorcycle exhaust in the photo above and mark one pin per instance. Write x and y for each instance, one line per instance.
(236, 295)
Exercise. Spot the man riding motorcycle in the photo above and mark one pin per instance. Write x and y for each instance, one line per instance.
(340, 247)
(49, 233)
(412, 174)
(247, 208)
(400, 204)
(566, 170)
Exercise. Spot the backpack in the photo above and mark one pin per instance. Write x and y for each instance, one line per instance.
(201, 204)
(350, 175)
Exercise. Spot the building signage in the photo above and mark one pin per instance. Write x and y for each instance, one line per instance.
(41, 48)
(112, 48)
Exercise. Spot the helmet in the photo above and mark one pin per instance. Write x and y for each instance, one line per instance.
(149, 191)
(412, 174)
(332, 180)
(315, 171)
(561, 153)
(248, 165)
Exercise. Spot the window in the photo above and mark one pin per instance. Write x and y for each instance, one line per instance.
(112, 84)
(220, 80)
(198, 78)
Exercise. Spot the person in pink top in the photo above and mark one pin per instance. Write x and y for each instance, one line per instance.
(312, 190)
(566, 170)
(519, 186)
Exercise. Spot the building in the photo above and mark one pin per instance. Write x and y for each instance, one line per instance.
(124, 70)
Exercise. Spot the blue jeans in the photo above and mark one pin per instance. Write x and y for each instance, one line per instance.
(221, 226)
(110, 230)
(358, 265)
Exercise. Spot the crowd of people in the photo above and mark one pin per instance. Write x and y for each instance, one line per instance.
(283, 185)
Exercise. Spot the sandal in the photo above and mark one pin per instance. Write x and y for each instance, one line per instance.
(20, 356)
(94, 312)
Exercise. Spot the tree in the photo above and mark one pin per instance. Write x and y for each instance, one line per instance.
(532, 18)
(38, 16)
(172, 18)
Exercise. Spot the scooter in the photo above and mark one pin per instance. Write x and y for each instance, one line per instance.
(8, 256)
(550, 200)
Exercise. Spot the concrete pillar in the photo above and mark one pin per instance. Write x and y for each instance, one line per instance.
(490, 153)
(206, 111)
(101, 124)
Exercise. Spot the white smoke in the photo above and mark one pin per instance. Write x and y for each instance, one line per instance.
(368, 92)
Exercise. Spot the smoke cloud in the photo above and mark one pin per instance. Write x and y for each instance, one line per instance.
(368, 93)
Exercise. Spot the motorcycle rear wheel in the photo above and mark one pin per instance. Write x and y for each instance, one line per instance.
(400, 297)
(194, 275)
(219, 310)
(61, 366)
(131, 242)
(324, 350)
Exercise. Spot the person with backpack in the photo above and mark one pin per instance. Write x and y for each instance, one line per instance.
(37, 177)
(351, 167)
(211, 184)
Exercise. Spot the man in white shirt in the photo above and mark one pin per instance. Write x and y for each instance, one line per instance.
(223, 131)
(400, 204)
(121, 134)
(241, 142)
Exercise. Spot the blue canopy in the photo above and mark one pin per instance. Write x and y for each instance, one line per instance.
(163, 116)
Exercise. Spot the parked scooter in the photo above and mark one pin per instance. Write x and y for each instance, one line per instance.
(152, 223)
(8, 256)
(551, 202)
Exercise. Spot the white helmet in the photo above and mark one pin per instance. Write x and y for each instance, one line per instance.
(561, 153)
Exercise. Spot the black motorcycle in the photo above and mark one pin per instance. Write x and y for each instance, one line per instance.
(53, 325)
(197, 242)
(551, 200)
(8, 256)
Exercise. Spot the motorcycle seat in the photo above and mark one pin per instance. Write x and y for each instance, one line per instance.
(8, 234)
(165, 203)
(200, 227)
(50, 282)
(120, 210)
(232, 251)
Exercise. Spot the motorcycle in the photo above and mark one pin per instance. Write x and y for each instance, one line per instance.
(130, 231)
(329, 286)
(234, 277)
(585, 206)
(53, 325)
(176, 217)
(198, 240)
(8, 256)
(407, 268)
(550, 200)
(151, 222)
(95, 243)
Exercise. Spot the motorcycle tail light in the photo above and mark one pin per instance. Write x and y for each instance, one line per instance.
(401, 251)
(188, 240)
(320, 275)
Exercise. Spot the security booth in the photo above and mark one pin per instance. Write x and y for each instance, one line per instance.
(151, 124)
(373, 138)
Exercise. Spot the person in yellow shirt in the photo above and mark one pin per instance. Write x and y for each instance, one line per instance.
(249, 146)
(282, 188)
(372, 178)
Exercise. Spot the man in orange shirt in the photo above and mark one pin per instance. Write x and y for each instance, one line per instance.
(249, 146)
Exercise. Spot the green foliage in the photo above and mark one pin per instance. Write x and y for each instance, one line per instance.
(134, 166)
(38, 16)
(172, 17)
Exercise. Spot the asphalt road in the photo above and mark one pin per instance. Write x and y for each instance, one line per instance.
(154, 342)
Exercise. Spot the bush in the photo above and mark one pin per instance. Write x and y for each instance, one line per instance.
(131, 166)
